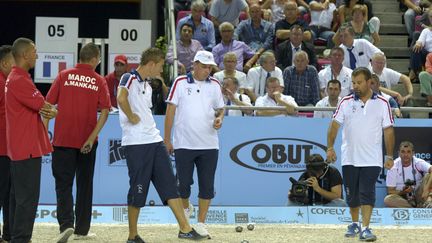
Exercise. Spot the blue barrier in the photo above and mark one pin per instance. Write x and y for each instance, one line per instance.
(257, 156)
(258, 215)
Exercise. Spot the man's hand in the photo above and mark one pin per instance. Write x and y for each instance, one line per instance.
(229, 94)
(217, 123)
(87, 147)
(182, 69)
(313, 182)
(388, 164)
(406, 190)
(331, 155)
(134, 119)
(417, 47)
(48, 111)
(169, 146)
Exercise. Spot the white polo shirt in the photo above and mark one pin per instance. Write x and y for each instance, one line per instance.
(265, 100)
(426, 39)
(257, 76)
(344, 77)
(363, 51)
(324, 102)
(388, 77)
(395, 175)
(140, 101)
(196, 103)
(363, 125)
(240, 76)
(324, 17)
(241, 97)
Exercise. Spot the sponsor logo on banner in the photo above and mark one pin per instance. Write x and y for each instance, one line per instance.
(120, 214)
(241, 218)
(266, 220)
(278, 155)
(342, 214)
(217, 216)
(116, 153)
(421, 214)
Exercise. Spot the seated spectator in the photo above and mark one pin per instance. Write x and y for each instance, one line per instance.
(255, 32)
(333, 98)
(358, 52)
(389, 77)
(408, 181)
(301, 81)
(286, 50)
(113, 78)
(362, 28)
(274, 97)
(419, 51)
(409, 16)
(232, 97)
(186, 49)
(336, 71)
(228, 44)
(324, 185)
(426, 80)
(230, 62)
(275, 8)
(226, 11)
(376, 88)
(204, 31)
(425, 21)
(283, 27)
(345, 12)
(257, 76)
(322, 12)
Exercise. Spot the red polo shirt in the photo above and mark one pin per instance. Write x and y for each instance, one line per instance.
(26, 135)
(113, 84)
(79, 93)
(3, 150)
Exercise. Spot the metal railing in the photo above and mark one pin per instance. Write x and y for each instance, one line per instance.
(170, 29)
(312, 108)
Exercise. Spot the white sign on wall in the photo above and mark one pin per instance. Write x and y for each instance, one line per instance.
(128, 37)
(56, 44)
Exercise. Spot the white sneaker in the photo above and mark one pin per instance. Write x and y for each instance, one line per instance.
(189, 211)
(89, 236)
(201, 229)
(64, 236)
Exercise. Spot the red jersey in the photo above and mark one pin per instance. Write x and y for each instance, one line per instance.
(3, 150)
(26, 135)
(113, 84)
(78, 92)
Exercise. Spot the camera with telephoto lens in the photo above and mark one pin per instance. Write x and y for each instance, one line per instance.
(299, 191)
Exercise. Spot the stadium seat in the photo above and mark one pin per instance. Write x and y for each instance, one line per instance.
(182, 14)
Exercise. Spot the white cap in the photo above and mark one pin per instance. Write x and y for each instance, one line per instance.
(204, 57)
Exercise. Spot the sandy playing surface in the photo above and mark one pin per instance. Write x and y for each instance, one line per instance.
(46, 233)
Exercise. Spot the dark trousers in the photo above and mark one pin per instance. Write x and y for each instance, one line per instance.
(5, 185)
(66, 163)
(24, 198)
(417, 60)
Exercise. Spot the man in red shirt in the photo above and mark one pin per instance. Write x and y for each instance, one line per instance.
(26, 139)
(6, 63)
(113, 79)
(79, 93)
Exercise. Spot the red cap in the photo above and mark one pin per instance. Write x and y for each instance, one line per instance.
(120, 58)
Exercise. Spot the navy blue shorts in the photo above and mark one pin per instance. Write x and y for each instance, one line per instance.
(359, 184)
(149, 162)
(205, 162)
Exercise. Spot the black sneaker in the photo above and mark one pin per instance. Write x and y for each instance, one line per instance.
(137, 239)
(191, 235)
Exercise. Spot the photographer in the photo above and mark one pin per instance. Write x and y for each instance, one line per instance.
(320, 184)
(408, 183)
